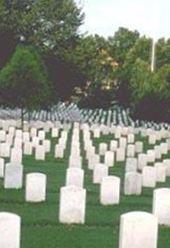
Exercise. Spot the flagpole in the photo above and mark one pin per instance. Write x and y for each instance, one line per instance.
(153, 56)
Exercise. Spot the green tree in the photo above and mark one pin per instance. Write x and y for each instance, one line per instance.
(141, 81)
(122, 41)
(24, 82)
(88, 56)
(92, 57)
(51, 25)
(150, 92)
(140, 50)
(120, 45)
(162, 82)
(162, 53)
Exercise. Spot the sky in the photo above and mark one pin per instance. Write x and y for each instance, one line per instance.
(104, 17)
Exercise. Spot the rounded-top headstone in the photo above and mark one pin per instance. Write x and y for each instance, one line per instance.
(72, 205)
(161, 205)
(10, 229)
(75, 176)
(110, 190)
(133, 183)
(36, 187)
(138, 230)
(13, 176)
(100, 171)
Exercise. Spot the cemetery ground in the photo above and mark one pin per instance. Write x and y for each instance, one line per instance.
(40, 221)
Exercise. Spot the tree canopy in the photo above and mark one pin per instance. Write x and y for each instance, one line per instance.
(50, 25)
(24, 81)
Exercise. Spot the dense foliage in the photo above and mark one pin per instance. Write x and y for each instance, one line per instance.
(92, 70)
(24, 81)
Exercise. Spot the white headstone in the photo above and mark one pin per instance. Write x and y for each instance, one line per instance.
(102, 148)
(55, 132)
(168, 142)
(142, 160)
(1, 167)
(109, 158)
(158, 153)
(39, 152)
(47, 145)
(90, 151)
(122, 142)
(118, 132)
(75, 176)
(151, 156)
(18, 133)
(131, 165)
(9, 139)
(93, 160)
(113, 145)
(28, 148)
(166, 162)
(18, 143)
(160, 172)
(96, 133)
(13, 176)
(26, 137)
(164, 148)
(138, 146)
(100, 171)
(138, 230)
(131, 138)
(72, 205)
(133, 183)
(16, 155)
(130, 150)
(158, 135)
(35, 141)
(11, 131)
(75, 161)
(35, 187)
(152, 139)
(161, 205)
(120, 154)
(5, 150)
(59, 151)
(2, 136)
(149, 176)
(41, 135)
(10, 230)
(110, 190)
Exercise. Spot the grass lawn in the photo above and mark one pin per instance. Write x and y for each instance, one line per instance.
(40, 225)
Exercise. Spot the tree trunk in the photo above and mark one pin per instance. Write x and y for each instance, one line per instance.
(29, 116)
(22, 118)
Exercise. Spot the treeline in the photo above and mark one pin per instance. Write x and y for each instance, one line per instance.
(44, 59)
